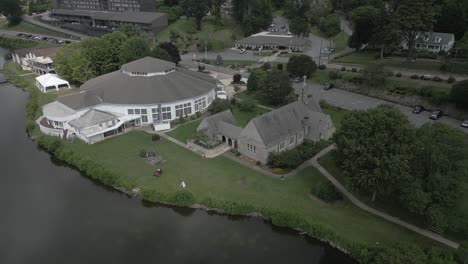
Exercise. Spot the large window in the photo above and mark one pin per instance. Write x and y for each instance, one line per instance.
(292, 140)
(155, 114)
(251, 148)
(300, 137)
(183, 110)
(166, 113)
(200, 104)
(281, 145)
(131, 112)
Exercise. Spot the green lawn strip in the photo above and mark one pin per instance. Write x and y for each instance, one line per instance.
(255, 97)
(424, 65)
(185, 132)
(221, 35)
(223, 179)
(363, 57)
(337, 114)
(30, 28)
(341, 41)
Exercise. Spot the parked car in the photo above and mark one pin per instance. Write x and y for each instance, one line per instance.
(37, 38)
(426, 77)
(329, 86)
(436, 115)
(298, 80)
(20, 34)
(418, 109)
(242, 51)
(464, 124)
(276, 30)
(326, 51)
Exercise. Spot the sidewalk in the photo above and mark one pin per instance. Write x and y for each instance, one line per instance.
(371, 210)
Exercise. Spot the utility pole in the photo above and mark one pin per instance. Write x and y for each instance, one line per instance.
(206, 52)
(303, 87)
(320, 53)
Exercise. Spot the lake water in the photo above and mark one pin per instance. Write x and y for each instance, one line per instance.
(52, 214)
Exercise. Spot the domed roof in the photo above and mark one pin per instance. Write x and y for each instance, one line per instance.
(122, 88)
(148, 65)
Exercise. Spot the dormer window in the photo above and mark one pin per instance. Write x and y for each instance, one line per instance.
(438, 40)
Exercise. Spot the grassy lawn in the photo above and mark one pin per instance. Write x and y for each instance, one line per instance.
(255, 97)
(363, 57)
(30, 28)
(220, 35)
(223, 179)
(189, 130)
(337, 114)
(426, 65)
(341, 41)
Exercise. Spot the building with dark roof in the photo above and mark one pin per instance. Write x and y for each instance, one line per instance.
(145, 92)
(272, 42)
(107, 5)
(432, 41)
(148, 22)
(279, 130)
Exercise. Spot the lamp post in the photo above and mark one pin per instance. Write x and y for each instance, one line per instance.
(303, 86)
(206, 51)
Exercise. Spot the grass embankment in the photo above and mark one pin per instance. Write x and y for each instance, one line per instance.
(223, 183)
(219, 34)
(30, 28)
(189, 131)
(340, 40)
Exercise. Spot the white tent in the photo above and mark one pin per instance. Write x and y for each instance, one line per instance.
(49, 82)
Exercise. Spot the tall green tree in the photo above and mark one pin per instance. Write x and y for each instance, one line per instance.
(71, 63)
(331, 25)
(299, 26)
(301, 65)
(373, 149)
(297, 8)
(161, 54)
(459, 94)
(196, 9)
(452, 18)
(172, 50)
(12, 10)
(365, 20)
(413, 17)
(252, 15)
(134, 48)
(255, 80)
(275, 88)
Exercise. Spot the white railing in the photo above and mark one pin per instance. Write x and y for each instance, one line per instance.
(159, 126)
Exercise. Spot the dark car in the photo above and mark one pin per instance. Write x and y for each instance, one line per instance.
(329, 86)
(436, 115)
(20, 34)
(418, 109)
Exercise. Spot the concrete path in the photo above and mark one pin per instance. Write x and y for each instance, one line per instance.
(358, 203)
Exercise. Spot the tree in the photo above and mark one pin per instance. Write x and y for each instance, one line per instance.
(252, 15)
(12, 10)
(217, 8)
(236, 78)
(439, 156)
(219, 60)
(452, 18)
(172, 50)
(196, 9)
(365, 20)
(299, 26)
(160, 53)
(297, 8)
(275, 87)
(459, 94)
(134, 48)
(255, 79)
(71, 64)
(374, 74)
(331, 25)
(129, 31)
(301, 65)
(219, 105)
(413, 17)
(374, 148)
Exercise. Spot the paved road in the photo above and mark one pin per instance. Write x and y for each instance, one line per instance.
(314, 162)
(353, 101)
(30, 19)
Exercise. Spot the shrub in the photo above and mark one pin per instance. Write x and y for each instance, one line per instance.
(322, 67)
(398, 74)
(414, 77)
(279, 67)
(182, 198)
(155, 137)
(198, 114)
(279, 171)
(451, 79)
(142, 153)
(236, 78)
(343, 68)
(247, 105)
(425, 91)
(354, 70)
(327, 192)
(437, 79)
(291, 159)
(333, 75)
(258, 163)
(218, 105)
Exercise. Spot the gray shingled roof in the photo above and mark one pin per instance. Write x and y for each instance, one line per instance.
(120, 88)
(430, 38)
(290, 120)
(148, 65)
(135, 17)
(275, 40)
(92, 117)
(222, 123)
(38, 52)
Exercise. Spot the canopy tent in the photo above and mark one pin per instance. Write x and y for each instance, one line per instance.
(49, 82)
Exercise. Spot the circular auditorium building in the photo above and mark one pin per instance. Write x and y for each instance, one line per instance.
(145, 92)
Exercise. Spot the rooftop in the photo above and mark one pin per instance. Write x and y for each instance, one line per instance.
(120, 88)
(435, 38)
(148, 65)
(134, 17)
(92, 117)
(38, 52)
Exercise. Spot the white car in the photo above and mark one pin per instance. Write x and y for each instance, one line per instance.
(464, 124)
(221, 95)
(242, 51)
